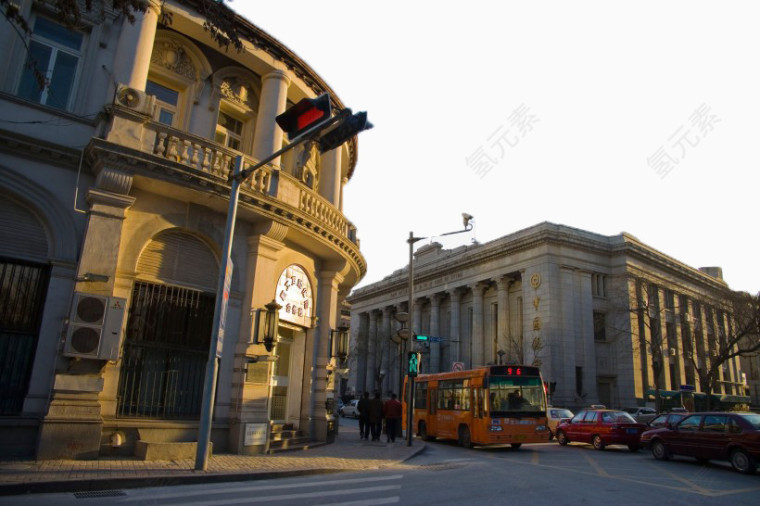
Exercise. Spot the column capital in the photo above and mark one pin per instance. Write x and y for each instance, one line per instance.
(278, 74)
(504, 282)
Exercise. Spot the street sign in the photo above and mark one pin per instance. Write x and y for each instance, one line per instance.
(457, 366)
(434, 339)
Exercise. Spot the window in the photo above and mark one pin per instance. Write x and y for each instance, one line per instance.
(690, 423)
(600, 326)
(54, 52)
(599, 285)
(167, 102)
(715, 423)
(229, 131)
(420, 395)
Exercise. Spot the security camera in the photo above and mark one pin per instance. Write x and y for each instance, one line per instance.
(466, 219)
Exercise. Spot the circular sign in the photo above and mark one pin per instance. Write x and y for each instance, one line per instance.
(535, 280)
(294, 295)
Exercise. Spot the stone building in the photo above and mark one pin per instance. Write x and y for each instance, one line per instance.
(114, 188)
(609, 319)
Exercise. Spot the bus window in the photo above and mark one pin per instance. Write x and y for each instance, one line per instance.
(420, 395)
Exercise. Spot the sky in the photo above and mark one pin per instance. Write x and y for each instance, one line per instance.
(605, 116)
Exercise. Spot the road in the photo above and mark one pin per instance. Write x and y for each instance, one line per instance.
(446, 474)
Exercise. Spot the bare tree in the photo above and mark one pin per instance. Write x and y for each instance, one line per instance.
(732, 325)
(732, 330)
(516, 350)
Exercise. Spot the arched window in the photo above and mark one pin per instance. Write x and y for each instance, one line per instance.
(237, 95)
(177, 72)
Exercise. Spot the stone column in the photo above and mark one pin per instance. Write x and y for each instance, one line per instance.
(503, 337)
(385, 347)
(268, 136)
(361, 354)
(371, 352)
(250, 401)
(135, 47)
(455, 333)
(478, 358)
(327, 306)
(435, 331)
(72, 427)
(330, 177)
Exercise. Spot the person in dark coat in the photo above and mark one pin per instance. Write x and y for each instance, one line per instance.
(376, 416)
(363, 407)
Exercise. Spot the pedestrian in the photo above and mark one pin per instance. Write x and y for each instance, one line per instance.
(363, 407)
(375, 413)
(392, 414)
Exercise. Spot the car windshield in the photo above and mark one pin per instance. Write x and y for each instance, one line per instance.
(630, 410)
(617, 417)
(753, 419)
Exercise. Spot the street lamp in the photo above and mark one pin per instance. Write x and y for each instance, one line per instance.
(271, 323)
(342, 343)
(467, 222)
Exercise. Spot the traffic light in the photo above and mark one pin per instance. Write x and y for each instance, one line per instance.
(305, 114)
(349, 127)
(414, 364)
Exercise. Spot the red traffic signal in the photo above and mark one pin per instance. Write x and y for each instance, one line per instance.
(306, 114)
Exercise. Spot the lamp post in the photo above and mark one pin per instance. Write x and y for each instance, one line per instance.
(467, 221)
(302, 124)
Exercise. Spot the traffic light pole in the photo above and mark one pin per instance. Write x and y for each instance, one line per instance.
(220, 308)
(410, 399)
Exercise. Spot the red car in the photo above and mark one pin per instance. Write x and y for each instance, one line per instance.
(601, 427)
(710, 436)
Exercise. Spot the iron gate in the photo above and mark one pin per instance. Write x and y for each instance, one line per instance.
(22, 298)
(165, 352)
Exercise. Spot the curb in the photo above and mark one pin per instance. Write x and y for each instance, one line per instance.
(107, 484)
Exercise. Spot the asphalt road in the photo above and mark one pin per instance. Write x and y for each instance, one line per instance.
(446, 474)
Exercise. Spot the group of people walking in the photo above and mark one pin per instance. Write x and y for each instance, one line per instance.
(372, 412)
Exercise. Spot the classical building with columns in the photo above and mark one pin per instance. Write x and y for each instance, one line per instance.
(114, 189)
(607, 318)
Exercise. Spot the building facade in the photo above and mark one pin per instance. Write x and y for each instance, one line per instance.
(114, 189)
(609, 320)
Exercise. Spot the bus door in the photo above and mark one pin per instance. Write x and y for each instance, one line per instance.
(479, 419)
(432, 419)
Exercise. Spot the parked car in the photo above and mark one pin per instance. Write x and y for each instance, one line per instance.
(666, 420)
(710, 436)
(554, 416)
(350, 409)
(601, 427)
(641, 414)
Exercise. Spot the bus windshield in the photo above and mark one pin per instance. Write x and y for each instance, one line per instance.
(516, 396)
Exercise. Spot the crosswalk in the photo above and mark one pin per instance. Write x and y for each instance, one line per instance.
(365, 490)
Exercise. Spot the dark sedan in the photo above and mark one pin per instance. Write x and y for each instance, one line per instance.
(601, 427)
(734, 437)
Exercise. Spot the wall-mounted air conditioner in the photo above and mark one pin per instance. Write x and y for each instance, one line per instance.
(95, 326)
(137, 100)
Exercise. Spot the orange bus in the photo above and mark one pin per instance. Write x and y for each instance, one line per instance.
(497, 404)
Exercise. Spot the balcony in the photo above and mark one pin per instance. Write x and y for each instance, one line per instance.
(141, 147)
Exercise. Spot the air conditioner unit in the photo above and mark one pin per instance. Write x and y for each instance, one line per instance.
(94, 327)
(137, 100)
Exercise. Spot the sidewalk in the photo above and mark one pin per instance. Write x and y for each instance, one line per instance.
(348, 452)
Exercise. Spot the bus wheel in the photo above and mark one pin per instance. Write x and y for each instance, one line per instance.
(423, 432)
(464, 437)
(562, 438)
(516, 446)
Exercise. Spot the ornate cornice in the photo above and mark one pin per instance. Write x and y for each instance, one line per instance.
(541, 235)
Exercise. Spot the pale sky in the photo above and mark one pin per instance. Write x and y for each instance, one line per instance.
(605, 116)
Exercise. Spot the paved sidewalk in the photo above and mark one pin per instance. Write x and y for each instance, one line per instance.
(347, 453)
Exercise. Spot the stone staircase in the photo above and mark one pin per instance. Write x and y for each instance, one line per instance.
(284, 437)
